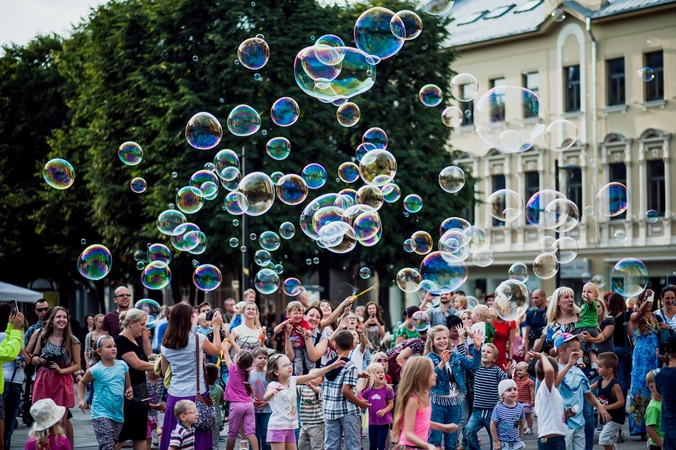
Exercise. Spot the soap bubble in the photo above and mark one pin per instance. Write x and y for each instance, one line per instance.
(430, 95)
(278, 148)
(284, 112)
(152, 309)
(206, 182)
(421, 321)
(156, 276)
(375, 136)
(269, 240)
(556, 213)
(451, 223)
(452, 116)
(519, 272)
(565, 250)
(363, 149)
(620, 235)
(287, 230)
(545, 266)
(379, 32)
(454, 241)
(589, 210)
(253, 236)
(599, 281)
(169, 220)
(315, 260)
(259, 191)
(235, 222)
(408, 279)
(159, 252)
(314, 175)
(547, 244)
(436, 7)
(511, 300)
(243, 248)
(279, 269)
(253, 53)
(276, 176)
(184, 238)
(413, 24)
(371, 196)
(464, 87)
(95, 262)
(292, 189)
(365, 273)
(207, 277)
(234, 242)
(499, 114)
(230, 174)
(423, 242)
(413, 203)
(138, 185)
(292, 287)
(558, 15)
(483, 257)
(505, 205)
(646, 74)
(226, 158)
(189, 199)
(203, 131)
(243, 120)
(348, 172)
(366, 224)
(391, 192)
(198, 242)
(59, 174)
(130, 153)
(328, 50)
(236, 203)
(651, 216)
(348, 114)
(572, 218)
(629, 277)
(612, 199)
(443, 272)
(537, 205)
(409, 245)
(560, 135)
(262, 257)
(378, 167)
(451, 179)
(476, 237)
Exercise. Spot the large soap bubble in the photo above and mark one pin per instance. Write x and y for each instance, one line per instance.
(413, 24)
(629, 277)
(292, 189)
(451, 179)
(537, 206)
(612, 199)
(285, 112)
(371, 196)
(207, 277)
(266, 281)
(464, 87)
(253, 53)
(443, 272)
(152, 309)
(453, 222)
(408, 279)
(519, 272)
(436, 7)
(189, 199)
(130, 153)
(348, 114)
(499, 118)
(259, 191)
(156, 275)
(159, 252)
(560, 135)
(314, 175)
(168, 221)
(511, 300)
(376, 137)
(59, 173)
(423, 242)
(504, 205)
(243, 120)
(378, 167)
(565, 249)
(545, 266)
(95, 262)
(203, 131)
(379, 32)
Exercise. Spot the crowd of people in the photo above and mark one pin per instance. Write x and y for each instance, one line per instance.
(320, 376)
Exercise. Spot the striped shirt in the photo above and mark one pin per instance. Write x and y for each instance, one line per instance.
(486, 380)
(310, 405)
(508, 421)
(182, 438)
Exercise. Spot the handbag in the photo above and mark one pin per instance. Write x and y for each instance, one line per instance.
(663, 334)
(206, 413)
(139, 403)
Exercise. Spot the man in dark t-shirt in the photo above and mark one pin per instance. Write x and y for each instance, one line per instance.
(111, 321)
(536, 320)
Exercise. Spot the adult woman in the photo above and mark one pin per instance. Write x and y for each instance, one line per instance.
(668, 311)
(246, 336)
(316, 343)
(490, 298)
(406, 330)
(562, 315)
(646, 327)
(622, 338)
(133, 323)
(90, 323)
(13, 377)
(374, 325)
(505, 334)
(90, 339)
(57, 354)
(178, 350)
(330, 316)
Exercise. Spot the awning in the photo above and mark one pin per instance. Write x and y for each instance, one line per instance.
(10, 292)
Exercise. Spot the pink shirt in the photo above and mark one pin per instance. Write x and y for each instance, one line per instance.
(235, 390)
(421, 427)
(55, 443)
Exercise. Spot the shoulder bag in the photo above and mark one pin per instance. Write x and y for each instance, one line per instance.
(206, 413)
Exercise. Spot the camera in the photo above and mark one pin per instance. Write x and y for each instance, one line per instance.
(210, 315)
(49, 360)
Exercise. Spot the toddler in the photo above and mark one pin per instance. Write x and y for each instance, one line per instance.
(526, 394)
(204, 325)
(47, 434)
(294, 317)
(507, 418)
(183, 436)
(480, 317)
(589, 323)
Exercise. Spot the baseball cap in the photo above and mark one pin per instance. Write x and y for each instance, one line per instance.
(563, 337)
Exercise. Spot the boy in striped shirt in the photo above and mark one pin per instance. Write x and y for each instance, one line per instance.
(183, 436)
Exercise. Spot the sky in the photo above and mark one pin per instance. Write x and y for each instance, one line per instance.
(22, 20)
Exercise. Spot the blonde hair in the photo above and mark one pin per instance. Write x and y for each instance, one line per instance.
(590, 284)
(429, 343)
(131, 316)
(368, 383)
(42, 437)
(467, 312)
(553, 304)
(493, 312)
(247, 292)
(496, 352)
(382, 355)
(293, 306)
(481, 310)
(414, 381)
(96, 357)
(604, 312)
(522, 365)
(650, 377)
(462, 299)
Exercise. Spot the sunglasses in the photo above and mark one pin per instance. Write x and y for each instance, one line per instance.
(41, 309)
(380, 360)
(123, 295)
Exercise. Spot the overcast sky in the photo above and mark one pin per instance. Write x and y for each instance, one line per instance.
(21, 20)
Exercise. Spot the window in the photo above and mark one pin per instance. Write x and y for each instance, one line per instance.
(467, 113)
(529, 5)
(498, 101)
(532, 184)
(574, 186)
(656, 186)
(615, 69)
(531, 81)
(498, 12)
(654, 90)
(572, 79)
(498, 182)
(617, 173)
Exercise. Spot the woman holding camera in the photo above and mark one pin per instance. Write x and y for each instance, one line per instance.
(57, 355)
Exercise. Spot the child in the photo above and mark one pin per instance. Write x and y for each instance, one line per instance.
(413, 411)
(111, 386)
(183, 436)
(204, 325)
(610, 395)
(216, 392)
(259, 384)
(294, 317)
(653, 414)
(589, 322)
(507, 418)
(552, 428)
(311, 415)
(46, 433)
(341, 405)
(526, 397)
(380, 395)
(381, 358)
(281, 396)
(574, 389)
(480, 315)
(156, 393)
(238, 391)
(665, 380)
(449, 391)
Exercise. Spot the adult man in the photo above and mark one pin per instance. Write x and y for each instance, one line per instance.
(41, 308)
(439, 314)
(229, 306)
(111, 321)
(304, 297)
(203, 307)
(536, 319)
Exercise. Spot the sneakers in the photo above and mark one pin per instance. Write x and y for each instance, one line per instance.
(222, 439)
(527, 431)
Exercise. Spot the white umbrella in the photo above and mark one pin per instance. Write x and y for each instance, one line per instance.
(22, 295)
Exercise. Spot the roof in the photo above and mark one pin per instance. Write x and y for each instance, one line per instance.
(485, 20)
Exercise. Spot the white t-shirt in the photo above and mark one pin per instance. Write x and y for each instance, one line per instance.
(182, 363)
(284, 407)
(550, 411)
(247, 338)
(479, 326)
(357, 357)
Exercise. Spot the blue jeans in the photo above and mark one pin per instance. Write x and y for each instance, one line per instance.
(378, 436)
(588, 413)
(445, 414)
(553, 443)
(480, 418)
(12, 397)
(262, 420)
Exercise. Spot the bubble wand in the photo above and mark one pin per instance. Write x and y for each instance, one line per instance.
(364, 291)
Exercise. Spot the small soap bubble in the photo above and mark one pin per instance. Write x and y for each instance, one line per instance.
(348, 114)
(253, 53)
(207, 277)
(243, 248)
(409, 245)
(235, 222)
(558, 15)
(451, 117)
(592, 162)
(278, 148)
(174, 174)
(464, 87)
(140, 265)
(284, 112)
(195, 263)
(234, 242)
(452, 179)
(195, 58)
(651, 216)
(620, 235)
(264, 132)
(287, 230)
(138, 185)
(308, 262)
(365, 273)
(589, 210)
(257, 77)
(315, 260)
(646, 74)
(413, 203)
(253, 236)
(130, 153)
(430, 95)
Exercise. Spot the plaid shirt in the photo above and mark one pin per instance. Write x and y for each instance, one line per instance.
(335, 403)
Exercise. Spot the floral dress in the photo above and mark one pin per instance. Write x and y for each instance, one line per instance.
(49, 383)
(643, 361)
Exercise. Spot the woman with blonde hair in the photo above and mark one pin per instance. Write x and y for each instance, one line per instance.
(562, 315)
